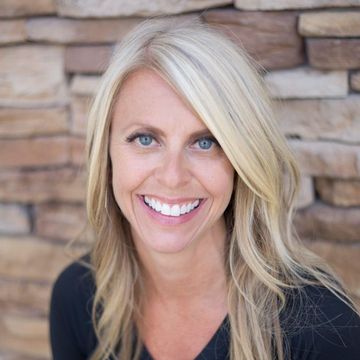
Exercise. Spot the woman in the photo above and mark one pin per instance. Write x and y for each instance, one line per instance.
(191, 191)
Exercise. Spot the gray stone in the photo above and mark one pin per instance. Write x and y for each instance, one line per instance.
(14, 219)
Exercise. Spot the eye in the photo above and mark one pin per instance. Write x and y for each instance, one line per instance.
(206, 143)
(142, 139)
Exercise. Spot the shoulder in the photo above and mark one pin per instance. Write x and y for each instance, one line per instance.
(317, 324)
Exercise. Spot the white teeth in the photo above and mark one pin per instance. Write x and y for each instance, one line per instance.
(171, 210)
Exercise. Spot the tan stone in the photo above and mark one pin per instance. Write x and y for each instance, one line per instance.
(59, 221)
(87, 59)
(334, 53)
(85, 85)
(291, 4)
(12, 31)
(80, 106)
(26, 7)
(331, 119)
(321, 221)
(355, 81)
(270, 38)
(25, 296)
(108, 8)
(31, 122)
(306, 195)
(78, 155)
(14, 219)
(334, 23)
(32, 75)
(10, 355)
(307, 83)
(70, 31)
(343, 259)
(66, 184)
(28, 258)
(327, 159)
(339, 192)
(34, 152)
(25, 334)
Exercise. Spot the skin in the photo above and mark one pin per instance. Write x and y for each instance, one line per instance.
(183, 260)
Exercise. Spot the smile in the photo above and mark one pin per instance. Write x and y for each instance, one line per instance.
(174, 210)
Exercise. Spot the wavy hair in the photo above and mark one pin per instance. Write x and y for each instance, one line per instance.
(263, 256)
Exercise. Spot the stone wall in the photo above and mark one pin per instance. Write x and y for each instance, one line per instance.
(51, 57)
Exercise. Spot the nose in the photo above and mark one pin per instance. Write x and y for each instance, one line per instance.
(173, 171)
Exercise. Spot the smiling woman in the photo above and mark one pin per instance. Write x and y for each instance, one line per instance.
(191, 190)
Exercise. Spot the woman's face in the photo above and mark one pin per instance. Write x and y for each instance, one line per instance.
(170, 178)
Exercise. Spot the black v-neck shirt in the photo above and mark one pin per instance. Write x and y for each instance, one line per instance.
(316, 324)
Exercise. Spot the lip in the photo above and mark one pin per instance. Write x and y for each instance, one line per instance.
(170, 220)
(172, 201)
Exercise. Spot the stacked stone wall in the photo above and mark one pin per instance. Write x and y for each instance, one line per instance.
(52, 54)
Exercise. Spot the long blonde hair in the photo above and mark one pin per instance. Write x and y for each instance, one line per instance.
(219, 82)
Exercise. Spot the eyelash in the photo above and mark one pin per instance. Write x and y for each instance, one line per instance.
(131, 138)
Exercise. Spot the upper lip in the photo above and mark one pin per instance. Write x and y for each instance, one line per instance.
(172, 200)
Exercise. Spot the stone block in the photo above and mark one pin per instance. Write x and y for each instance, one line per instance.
(327, 159)
(330, 119)
(32, 75)
(334, 53)
(292, 4)
(77, 148)
(339, 192)
(326, 24)
(80, 106)
(321, 221)
(59, 221)
(271, 38)
(14, 219)
(33, 122)
(34, 152)
(344, 260)
(12, 31)
(65, 184)
(110, 8)
(307, 83)
(306, 195)
(87, 59)
(31, 259)
(16, 8)
(26, 335)
(73, 31)
(355, 81)
(85, 85)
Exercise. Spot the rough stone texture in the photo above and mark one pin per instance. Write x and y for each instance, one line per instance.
(306, 195)
(339, 192)
(21, 296)
(31, 75)
(25, 335)
(80, 107)
(87, 59)
(12, 31)
(343, 259)
(333, 119)
(335, 23)
(291, 4)
(271, 38)
(77, 148)
(67, 184)
(334, 53)
(69, 31)
(34, 152)
(9, 8)
(108, 8)
(33, 122)
(14, 219)
(321, 221)
(355, 81)
(59, 221)
(307, 83)
(327, 159)
(85, 85)
(28, 258)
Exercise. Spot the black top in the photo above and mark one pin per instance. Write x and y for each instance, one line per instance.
(321, 327)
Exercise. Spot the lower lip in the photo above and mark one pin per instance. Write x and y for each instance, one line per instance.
(170, 220)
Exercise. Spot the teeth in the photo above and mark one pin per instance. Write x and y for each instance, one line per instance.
(171, 210)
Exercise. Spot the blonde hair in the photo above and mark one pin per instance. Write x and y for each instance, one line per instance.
(218, 81)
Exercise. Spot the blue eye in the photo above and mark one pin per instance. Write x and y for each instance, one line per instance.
(205, 143)
(145, 140)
